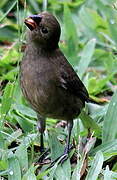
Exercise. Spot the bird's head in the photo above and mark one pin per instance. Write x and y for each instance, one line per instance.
(44, 30)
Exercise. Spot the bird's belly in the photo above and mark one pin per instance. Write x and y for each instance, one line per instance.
(65, 108)
(47, 101)
(60, 105)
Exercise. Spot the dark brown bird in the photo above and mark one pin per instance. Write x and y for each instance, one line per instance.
(48, 81)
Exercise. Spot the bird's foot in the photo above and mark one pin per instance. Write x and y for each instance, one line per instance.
(61, 159)
(43, 155)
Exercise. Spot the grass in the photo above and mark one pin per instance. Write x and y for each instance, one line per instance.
(89, 41)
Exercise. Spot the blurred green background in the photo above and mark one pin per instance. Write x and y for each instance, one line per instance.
(89, 41)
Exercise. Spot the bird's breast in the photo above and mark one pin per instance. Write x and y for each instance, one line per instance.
(37, 84)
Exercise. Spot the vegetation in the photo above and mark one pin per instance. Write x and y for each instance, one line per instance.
(89, 41)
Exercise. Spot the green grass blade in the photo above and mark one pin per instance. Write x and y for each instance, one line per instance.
(22, 156)
(71, 36)
(12, 6)
(15, 172)
(88, 122)
(109, 128)
(86, 57)
(7, 99)
(30, 175)
(96, 166)
(55, 146)
(34, 5)
(107, 174)
(105, 147)
(12, 137)
(63, 171)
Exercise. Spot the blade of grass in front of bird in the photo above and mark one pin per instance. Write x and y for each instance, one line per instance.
(55, 146)
(96, 166)
(63, 171)
(53, 169)
(80, 167)
(30, 174)
(21, 154)
(15, 171)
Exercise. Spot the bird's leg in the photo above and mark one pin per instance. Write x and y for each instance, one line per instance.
(70, 126)
(67, 148)
(41, 128)
(41, 143)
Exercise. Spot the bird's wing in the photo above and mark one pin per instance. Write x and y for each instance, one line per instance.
(69, 80)
(73, 84)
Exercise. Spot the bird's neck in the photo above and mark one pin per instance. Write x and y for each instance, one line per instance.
(39, 50)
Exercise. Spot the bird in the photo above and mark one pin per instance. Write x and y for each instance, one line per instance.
(48, 81)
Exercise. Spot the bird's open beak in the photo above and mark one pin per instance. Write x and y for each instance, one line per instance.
(32, 21)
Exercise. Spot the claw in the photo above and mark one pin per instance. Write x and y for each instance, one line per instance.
(64, 158)
(43, 156)
(59, 160)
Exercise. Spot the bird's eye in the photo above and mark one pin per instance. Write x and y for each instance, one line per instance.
(44, 30)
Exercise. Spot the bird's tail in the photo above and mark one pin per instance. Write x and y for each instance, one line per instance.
(96, 100)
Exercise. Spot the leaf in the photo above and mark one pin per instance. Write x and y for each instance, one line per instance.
(12, 137)
(26, 124)
(88, 122)
(70, 35)
(7, 33)
(25, 110)
(10, 57)
(12, 6)
(77, 170)
(107, 174)
(52, 171)
(15, 172)
(21, 154)
(106, 147)
(109, 127)
(96, 166)
(63, 171)
(55, 146)
(86, 57)
(11, 75)
(113, 26)
(114, 175)
(89, 15)
(30, 175)
(70, 28)
(97, 85)
(34, 5)
(7, 98)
